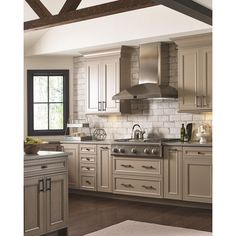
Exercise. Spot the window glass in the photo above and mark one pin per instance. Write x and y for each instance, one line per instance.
(56, 116)
(40, 116)
(55, 88)
(40, 88)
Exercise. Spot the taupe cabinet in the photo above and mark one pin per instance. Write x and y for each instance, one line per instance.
(45, 196)
(195, 73)
(72, 151)
(106, 75)
(197, 174)
(173, 161)
(138, 176)
(104, 168)
(88, 169)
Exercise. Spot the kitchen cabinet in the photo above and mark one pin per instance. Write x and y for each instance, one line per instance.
(45, 196)
(138, 176)
(106, 75)
(72, 151)
(104, 168)
(88, 168)
(173, 161)
(197, 174)
(195, 73)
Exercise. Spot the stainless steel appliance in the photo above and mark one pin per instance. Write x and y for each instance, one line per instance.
(137, 148)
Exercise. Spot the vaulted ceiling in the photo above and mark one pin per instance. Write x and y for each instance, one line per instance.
(149, 23)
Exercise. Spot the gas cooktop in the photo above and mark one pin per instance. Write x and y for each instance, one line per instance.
(148, 140)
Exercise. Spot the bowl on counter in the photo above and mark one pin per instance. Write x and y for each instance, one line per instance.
(31, 148)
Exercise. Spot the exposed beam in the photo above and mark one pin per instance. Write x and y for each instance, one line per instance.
(189, 8)
(105, 9)
(39, 8)
(70, 5)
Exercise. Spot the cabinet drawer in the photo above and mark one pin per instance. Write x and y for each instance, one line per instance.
(87, 182)
(90, 169)
(138, 186)
(138, 166)
(45, 166)
(91, 149)
(87, 158)
(197, 152)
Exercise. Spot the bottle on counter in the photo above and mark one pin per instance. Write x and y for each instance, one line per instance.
(182, 133)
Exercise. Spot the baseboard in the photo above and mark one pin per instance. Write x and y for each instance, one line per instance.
(142, 199)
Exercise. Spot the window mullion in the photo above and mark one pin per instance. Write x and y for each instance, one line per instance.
(48, 103)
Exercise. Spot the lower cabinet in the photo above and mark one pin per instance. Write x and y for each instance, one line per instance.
(138, 176)
(197, 174)
(45, 202)
(72, 151)
(104, 168)
(173, 161)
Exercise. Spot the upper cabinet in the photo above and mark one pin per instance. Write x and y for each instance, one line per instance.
(107, 74)
(195, 73)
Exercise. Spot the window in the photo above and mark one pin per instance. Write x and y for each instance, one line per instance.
(48, 102)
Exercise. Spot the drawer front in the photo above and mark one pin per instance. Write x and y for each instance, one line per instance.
(91, 149)
(87, 158)
(197, 152)
(87, 182)
(138, 166)
(45, 166)
(139, 187)
(87, 169)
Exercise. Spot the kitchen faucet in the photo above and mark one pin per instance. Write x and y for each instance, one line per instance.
(137, 133)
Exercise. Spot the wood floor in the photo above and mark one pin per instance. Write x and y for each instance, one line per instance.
(88, 214)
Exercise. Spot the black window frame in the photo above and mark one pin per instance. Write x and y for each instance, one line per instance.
(30, 103)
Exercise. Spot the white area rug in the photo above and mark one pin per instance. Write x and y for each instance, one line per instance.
(135, 228)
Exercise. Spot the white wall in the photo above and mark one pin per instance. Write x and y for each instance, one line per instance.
(47, 62)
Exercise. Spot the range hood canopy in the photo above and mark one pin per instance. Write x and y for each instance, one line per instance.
(154, 75)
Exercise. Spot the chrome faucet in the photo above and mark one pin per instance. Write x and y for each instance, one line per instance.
(137, 133)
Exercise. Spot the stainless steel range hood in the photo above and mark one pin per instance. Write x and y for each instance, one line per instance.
(154, 75)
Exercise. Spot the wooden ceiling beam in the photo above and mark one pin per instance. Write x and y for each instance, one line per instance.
(92, 12)
(39, 8)
(70, 5)
(189, 8)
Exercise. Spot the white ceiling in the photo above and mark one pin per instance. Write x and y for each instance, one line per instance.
(157, 23)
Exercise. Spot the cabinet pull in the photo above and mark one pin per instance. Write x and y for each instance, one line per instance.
(48, 184)
(128, 185)
(148, 187)
(88, 182)
(204, 101)
(41, 185)
(99, 106)
(88, 149)
(104, 148)
(127, 166)
(104, 105)
(88, 159)
(44, 167)
(148, 167)
(197, 101)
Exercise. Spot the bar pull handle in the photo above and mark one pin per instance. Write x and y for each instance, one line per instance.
(44, 166)
(41, 185)
(104, 105)
(88, 182)
(127, 166)
(48, 184)
(197, 101)
(128, 185)
(148, 187)
(149, 167)
(204, 101)
(104, 148)
(99, 106)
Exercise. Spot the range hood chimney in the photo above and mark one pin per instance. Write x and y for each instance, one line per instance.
(154, 75)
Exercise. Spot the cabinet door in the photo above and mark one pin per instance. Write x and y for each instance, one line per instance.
(93, 87)
(111, 84)
(189, 97)
(34, 206)
(197, 179)
(104, 169)
(173, 157)
(57, 201)
(73, 164)
(205, 67)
